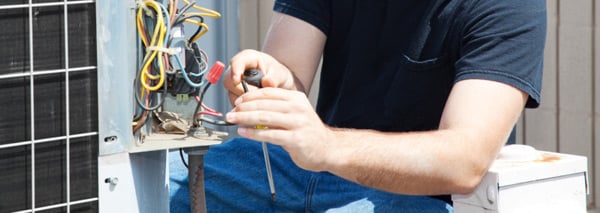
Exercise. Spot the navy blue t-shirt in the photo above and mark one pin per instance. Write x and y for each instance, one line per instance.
(389, 65)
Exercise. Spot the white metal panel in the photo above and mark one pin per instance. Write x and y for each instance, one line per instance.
(119, 196)
(116, 69)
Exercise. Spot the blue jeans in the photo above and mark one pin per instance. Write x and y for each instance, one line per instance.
(236, 181)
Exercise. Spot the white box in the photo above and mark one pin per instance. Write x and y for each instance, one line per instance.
(551, 182)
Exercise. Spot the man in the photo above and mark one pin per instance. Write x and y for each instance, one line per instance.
(416, 99)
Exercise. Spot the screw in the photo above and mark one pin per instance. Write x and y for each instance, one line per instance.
(112, 180)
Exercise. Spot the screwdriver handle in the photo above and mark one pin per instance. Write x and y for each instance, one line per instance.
(253, 77)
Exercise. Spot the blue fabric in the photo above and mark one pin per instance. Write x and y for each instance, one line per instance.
(178, 184)
(236, 181)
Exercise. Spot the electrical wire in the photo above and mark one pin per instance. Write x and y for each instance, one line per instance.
(182, 158)
(144, 105)
(202, 29)
(187, 78)
(161, 64)
(158, 40)
(207, 12)
(199, 105)
(198, 112)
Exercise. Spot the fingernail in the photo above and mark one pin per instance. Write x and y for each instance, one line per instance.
(230, 117)
(242, 130)
(238, 101)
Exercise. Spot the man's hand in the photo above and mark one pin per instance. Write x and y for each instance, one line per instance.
(292, 123)
(275, 74)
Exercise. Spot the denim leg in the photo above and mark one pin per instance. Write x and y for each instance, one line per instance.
(236, 179)
(337, 195)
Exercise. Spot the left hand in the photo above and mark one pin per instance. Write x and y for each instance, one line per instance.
(292, 123)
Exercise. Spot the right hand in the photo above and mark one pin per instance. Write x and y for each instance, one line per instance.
(275, 73)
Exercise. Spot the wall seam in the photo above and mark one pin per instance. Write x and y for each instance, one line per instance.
(557, 103)
(593, 162)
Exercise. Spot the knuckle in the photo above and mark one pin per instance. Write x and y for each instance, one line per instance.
(263, 119)
(247, 51)
(294, 136)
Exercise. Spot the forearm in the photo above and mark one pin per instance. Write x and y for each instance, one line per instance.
(419, 163)
(477, 120)
(303, 60)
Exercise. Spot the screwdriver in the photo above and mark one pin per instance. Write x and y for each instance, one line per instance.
(254, 77)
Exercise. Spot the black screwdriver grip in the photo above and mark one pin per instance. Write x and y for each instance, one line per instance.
(253, 77)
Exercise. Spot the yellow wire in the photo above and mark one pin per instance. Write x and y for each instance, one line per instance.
(201, 24)
(160, 32)
(207, 12)
(158, 37)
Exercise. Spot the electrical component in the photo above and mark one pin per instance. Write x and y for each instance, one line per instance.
(212, 77)
(172, 64)
(215, 72)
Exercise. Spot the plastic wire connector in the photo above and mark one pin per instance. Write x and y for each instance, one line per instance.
(142, 4)
(215, 72)
(170, 51)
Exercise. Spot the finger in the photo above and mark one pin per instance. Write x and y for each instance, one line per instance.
(265, 105)
(267, 81)
(246, 59)
(264, 118)
(272, 94)
(233, 87)
(275, 136)
(232, 98)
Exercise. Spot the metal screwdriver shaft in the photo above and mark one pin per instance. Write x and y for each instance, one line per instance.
(253, 77)
(269, 173)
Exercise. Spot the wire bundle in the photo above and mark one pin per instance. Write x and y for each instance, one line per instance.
(162, 70)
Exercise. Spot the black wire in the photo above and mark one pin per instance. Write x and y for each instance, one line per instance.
(196, 123)
(182, 19)
(183, 10)
(198, 30)
(207, 120)
(150, 108)
(216, 122)
(182, 158)
(211, 121)
(245, 86)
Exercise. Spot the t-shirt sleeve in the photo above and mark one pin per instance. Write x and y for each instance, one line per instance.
(504, 41)
(314, 12)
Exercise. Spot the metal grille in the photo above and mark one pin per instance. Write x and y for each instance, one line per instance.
(48, 106)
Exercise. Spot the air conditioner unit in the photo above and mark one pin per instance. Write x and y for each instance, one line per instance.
(66, 108)
(48, 112)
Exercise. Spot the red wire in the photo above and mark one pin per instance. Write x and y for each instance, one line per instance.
(204, 106)
(216, 114)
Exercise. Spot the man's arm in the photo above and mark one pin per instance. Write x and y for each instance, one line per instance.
(293, 51)
(301, 59)
(476, 122)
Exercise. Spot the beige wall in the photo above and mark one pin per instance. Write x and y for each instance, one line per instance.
(255, 16)
(568, 119)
